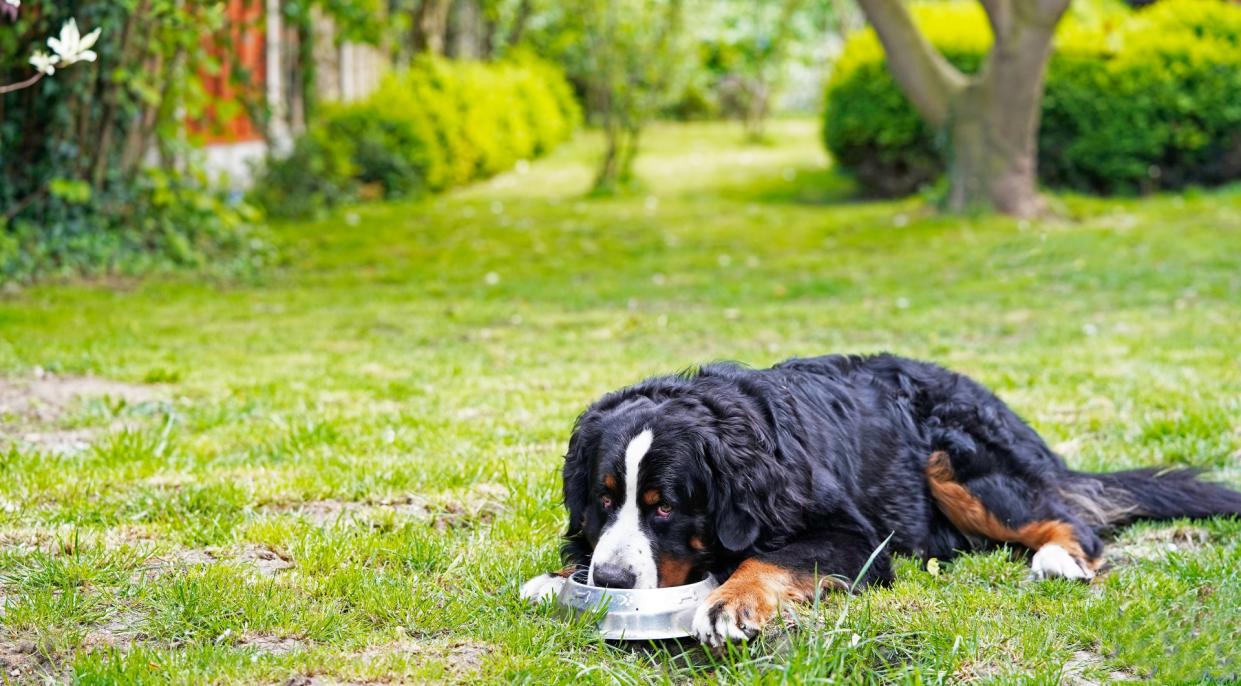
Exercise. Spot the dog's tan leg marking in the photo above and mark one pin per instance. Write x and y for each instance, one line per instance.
(971, 516)
(743, 605)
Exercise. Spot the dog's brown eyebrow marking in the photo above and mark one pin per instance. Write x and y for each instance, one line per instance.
(609, 482)
(651, 497)
(673, 571)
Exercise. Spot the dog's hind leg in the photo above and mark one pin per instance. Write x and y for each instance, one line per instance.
(1002, 508)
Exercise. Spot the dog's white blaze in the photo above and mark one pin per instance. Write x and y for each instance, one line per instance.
(623, 543)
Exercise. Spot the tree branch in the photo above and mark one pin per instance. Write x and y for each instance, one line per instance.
(1042, 13)
(925, 77)
(999, 15)
(518, 30)
(22, 84)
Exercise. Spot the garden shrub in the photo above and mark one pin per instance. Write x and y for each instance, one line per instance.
(1137, 102)
(318, 169)
(436, 125)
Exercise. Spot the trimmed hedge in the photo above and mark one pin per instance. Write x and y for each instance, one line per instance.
(436, 125)
(1135, 101)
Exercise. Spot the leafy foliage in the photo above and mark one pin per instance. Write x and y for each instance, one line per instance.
(1134, 101)
(75, 186)
(747, 49)
(632, 60)
(438, 124)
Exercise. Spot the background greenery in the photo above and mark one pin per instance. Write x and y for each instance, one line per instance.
(343, 473)
(1135, 101)
(99, 173)
(78, 193)
(436, 124)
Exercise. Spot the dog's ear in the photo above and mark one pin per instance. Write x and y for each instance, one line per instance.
(735, 526)
(755, 493)
(746, 484)
(583, 444)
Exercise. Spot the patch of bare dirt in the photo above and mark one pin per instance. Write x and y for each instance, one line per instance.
(23, 662)
(272, 645)
(990, 668)
(28, 406)
(59, 540)
(46, 397)
(323, 680)
(478, 505)
(20, 660)
(121, 630)
(139, 536)
(66, 442)
(1073, 673)
(264, 561)
(329, 512)
(460, 657)
(1156, 544)
(971, 671)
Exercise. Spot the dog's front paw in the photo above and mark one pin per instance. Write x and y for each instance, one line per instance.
(542, 587)
(735, 617)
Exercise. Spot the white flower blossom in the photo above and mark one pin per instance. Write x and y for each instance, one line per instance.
(14, 3)
(72, 46)
(43, 62)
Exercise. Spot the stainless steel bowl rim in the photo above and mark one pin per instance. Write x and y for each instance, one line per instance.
(638, 615)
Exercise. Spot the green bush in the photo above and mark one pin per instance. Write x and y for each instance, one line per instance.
(318, 169)
(171, 219)
(1135, 101)
(438, 124)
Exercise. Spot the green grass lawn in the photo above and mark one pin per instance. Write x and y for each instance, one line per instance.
(342, 474)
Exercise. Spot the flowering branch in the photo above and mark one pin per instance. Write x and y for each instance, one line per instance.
(69, 48)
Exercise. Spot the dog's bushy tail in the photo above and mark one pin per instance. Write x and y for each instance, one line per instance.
(1112, 499)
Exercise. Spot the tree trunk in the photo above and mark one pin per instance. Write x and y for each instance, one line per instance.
(607, 178)
(986, 169)
(430, 26)
(466, 28)
(993, 124)
(633, 134)
(991, 119)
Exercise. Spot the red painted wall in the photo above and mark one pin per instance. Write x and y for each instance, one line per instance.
(248, 48)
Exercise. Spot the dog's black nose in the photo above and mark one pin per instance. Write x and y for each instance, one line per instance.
(613, 576)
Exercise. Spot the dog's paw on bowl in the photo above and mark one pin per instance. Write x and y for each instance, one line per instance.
(542, 587)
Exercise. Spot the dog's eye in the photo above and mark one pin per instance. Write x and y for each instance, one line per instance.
(663, 510)
(605, 501)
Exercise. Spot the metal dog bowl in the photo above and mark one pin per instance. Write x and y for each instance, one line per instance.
(637, 615)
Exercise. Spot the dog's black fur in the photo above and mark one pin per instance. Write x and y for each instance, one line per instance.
(811, 464)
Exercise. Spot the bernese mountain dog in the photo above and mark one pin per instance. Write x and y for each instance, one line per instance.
(784, 482)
